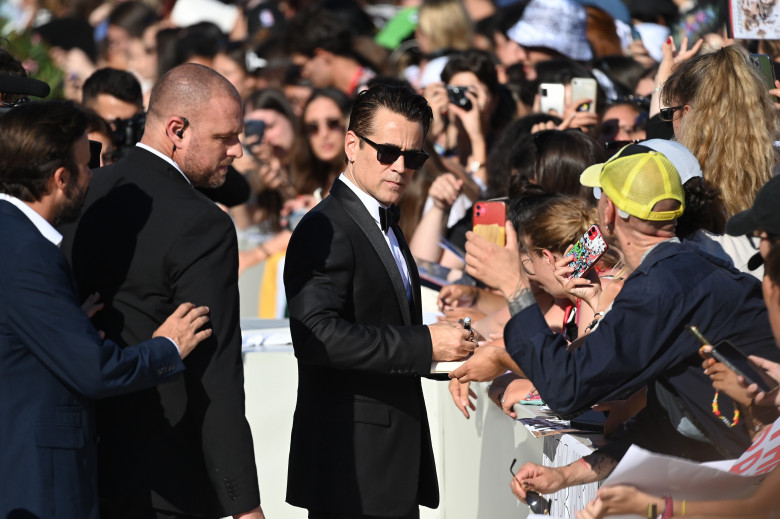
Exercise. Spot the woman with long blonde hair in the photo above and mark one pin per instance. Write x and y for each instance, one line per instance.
(722, 112)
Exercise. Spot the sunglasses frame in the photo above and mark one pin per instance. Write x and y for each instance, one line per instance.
(313, 128)
(667, 114)
(411, 157)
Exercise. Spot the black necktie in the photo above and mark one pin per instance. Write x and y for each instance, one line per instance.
(389, 217)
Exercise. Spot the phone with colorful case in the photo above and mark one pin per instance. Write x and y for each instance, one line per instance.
(587, 251)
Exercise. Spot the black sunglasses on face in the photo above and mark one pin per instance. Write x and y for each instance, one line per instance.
(388, 154)
(667, 114)
(313, 127)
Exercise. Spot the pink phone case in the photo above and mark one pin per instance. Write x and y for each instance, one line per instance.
(587, 251)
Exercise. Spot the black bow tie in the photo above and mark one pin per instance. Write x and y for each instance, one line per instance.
(389, 217)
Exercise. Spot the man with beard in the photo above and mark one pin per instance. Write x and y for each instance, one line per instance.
(53, 362)
(146, 240)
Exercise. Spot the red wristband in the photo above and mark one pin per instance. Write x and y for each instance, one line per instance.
(669, 509)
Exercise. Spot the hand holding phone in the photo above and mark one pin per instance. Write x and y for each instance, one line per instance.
(736, 361)
(587, 251)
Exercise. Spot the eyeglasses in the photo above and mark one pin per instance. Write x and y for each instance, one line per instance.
(527, 263)
(313, 128)
(389, 153)
(667, 114)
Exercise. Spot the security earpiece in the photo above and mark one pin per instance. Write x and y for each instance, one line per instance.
(180, 132)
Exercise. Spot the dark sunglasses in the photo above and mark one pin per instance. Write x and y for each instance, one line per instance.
(667, 114)
(388, 154)
(536, 502)
(313, 128)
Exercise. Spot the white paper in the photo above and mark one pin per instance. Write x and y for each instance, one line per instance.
(755, 19)
(658, 474)
(266, 339)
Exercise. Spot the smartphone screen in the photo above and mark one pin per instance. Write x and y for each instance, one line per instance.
(587, 251)
(489, 220)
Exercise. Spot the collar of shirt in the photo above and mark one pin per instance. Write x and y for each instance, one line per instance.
(40, 223)
(165, 158)
(372, 205)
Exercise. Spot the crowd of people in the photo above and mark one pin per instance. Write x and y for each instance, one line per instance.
(356, 138)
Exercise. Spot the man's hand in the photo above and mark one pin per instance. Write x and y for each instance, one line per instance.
(450, 341)
(462, 395)
(92, 305)
(497, 267)
(182, 327)
(619, 500)
(544, 480)
(257, 513)
(487, 363)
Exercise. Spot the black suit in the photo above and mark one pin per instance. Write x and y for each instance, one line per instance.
(148, 241)
(360, 439)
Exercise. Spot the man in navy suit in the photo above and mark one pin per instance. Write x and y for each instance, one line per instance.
(360, 442)
(53, 362)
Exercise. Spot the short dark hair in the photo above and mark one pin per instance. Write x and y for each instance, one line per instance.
(400, 100)
(118, 83)
(318, 28)
(478, 62)
(37, 138)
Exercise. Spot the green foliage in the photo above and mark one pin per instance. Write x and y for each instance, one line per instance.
(28, 48)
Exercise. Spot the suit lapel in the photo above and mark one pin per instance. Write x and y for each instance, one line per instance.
(359, 214)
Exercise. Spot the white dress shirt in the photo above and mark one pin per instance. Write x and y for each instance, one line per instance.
(40, 223)
(372, 205)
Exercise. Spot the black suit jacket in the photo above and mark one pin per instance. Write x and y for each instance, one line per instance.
(52, 364)
(360, 439)
(148, 241)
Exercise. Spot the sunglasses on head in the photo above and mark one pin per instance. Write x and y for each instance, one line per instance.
(389, 153)
(313, 127)
(667, 114)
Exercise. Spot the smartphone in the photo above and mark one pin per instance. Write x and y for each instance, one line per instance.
(489, 220)
(587, 251)
(458, 97)
(551, 97)
(584, 88)
(254, 127)
(766, 70)
(737, 362)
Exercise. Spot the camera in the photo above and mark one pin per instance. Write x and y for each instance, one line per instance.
(127, 132)
(457, 96)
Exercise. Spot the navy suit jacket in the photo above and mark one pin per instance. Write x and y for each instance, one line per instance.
(52, 364)
(360, 439)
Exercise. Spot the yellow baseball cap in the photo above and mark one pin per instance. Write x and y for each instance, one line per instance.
(635, 179)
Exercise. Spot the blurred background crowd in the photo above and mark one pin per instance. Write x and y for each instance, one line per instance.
(526, 95)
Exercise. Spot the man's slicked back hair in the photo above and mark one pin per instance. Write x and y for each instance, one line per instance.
(399, 100)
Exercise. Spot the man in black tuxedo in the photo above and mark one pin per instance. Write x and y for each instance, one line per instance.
(360, 441)
(146, 241)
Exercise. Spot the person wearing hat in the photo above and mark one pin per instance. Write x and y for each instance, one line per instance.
(762, 221)
(550, 29)
(643, 340)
